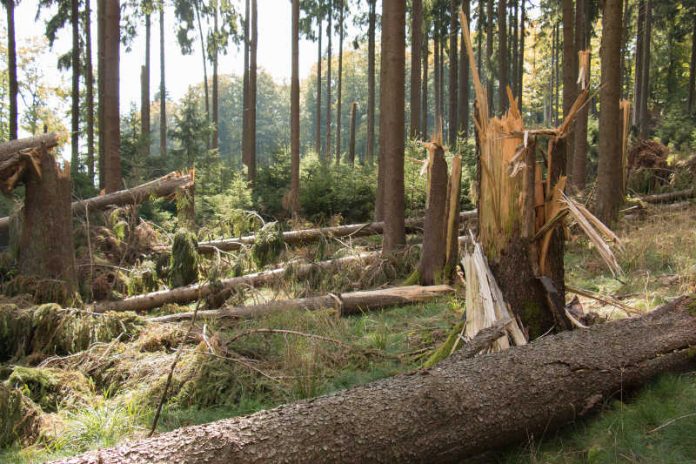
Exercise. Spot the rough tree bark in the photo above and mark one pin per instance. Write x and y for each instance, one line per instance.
(424, 84)
(293, 199)
(371, 84)
(453, 88)
(582, 32)
(339, 97)
(163, 90)
(75, 93)
(46, 248)
(89, 90)
(112, 119)
(317, 128)
(329, 101)
(245, 86)
(503, 74)
(434, 252)
(12, 67)
(640, 36)
(416, 51)
(253, 88)
(145, 92)
(463, 117)
(447, 413)
(570, 76)
(101, 6)
(346, 303)
(609, 170)
(391, 122)
(644, 122)
(215, 136)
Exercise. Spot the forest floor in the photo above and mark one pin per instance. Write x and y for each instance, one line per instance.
(108, 393)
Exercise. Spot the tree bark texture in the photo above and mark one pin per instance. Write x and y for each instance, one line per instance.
(12, 68)
(46, 248)
(448, 413)
(195, 292)
(463, 117)
(453, 87)
(293, 199)
(101, 46)
(245, 86)
(89, 92)
(253, 87)
(339, 99)
(416, 51)
(317, 129)
(329, 101)
(163, 90)
(353, 122)
(346, 303)
(610, 170)
(503, 74)
(434, 252)
(582, 31)
(392, 120)
(75, 93)
(644, 122)
(371, 81)
(570, 76)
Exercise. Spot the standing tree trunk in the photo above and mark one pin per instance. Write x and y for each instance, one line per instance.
(112, 132)
(253, 75)
(245, 89)
(424, 85)
(329, 33)
(645, 79)
(101, 8)
(353, 121)
(416, 51)
(215, 142)
(89, 84)
(145, 91)
(434, 252)
(609, 171)
(520, 67)
(437, 70)
(638, 86)
(12, 67)
(339, 102)
(293, 200)
(453, 94)
(75, 64)
(391, 122)
(463, 117)
(371, 84)
(163, 91)
(582, 32)
(490, 72)
(206, 93)
(317, 135)
(692, 69)
(46, 248)
(570, 76)
(503, 74)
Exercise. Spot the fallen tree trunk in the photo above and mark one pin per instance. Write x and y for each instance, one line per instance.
(17, 156)
(162, 187)
(183, 295)
(295, 237)
(448, 413)
(345, 303)
(670, 196)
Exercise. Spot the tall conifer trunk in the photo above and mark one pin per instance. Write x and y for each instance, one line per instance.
(89, 90)
(163, 90)
(339, 101)
(12, 68)
(112, 132)
(416, 52)
(75, 64)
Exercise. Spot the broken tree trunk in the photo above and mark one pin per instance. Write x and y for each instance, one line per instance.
(453, 411)
(46, 249)
(345, 303)
(183, 295)
(297, 237)
(20, 156)
(165, 186)
(670, 196)
(434, 254)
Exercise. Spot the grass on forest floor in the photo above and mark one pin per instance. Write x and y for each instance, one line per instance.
(659, 259)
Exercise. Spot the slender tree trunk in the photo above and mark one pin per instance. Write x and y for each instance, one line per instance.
(89, 84)
(514, 49)
(246, 152)
(392, 89)
(437, 70)
(570, 76)
(371, 84)
(12, 68)
(293, 201)
(329, 33)
(580, 155)
(520, 68)
(463, 117)
(339, 101)
(424, 85)
(453, 94)
(692, 69)
(215, 142)
(489, 56)
(625, 70)
(163, 91)
(101, 8)
(75, 64)
(253, 77)
(480, 24)
(645, 80)
(112, 132)
(609, 172)
(317, 139)
(557, 71)
(416, 52)
(205, 62)
(442, 42)
(353, 117)
(640, 37)
(503, 55)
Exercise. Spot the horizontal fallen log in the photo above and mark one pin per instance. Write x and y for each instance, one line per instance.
(345, 303)
(296, 237)
(670, 197)
(162, 187)
(184, 295)
(455, 410)
(16, 156)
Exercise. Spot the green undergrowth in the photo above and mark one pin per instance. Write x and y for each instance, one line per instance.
(657, 425)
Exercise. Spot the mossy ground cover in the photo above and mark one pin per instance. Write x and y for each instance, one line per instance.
(229, 369)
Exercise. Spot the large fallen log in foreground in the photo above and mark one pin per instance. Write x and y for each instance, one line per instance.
(16, 156)
(670, 197)
(455, 410)
(183, 295)
(345, 303)
(162, 187)
(295, 237)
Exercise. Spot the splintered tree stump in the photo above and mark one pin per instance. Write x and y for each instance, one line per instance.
(435, 227)
(46, 248)
(18, 157)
